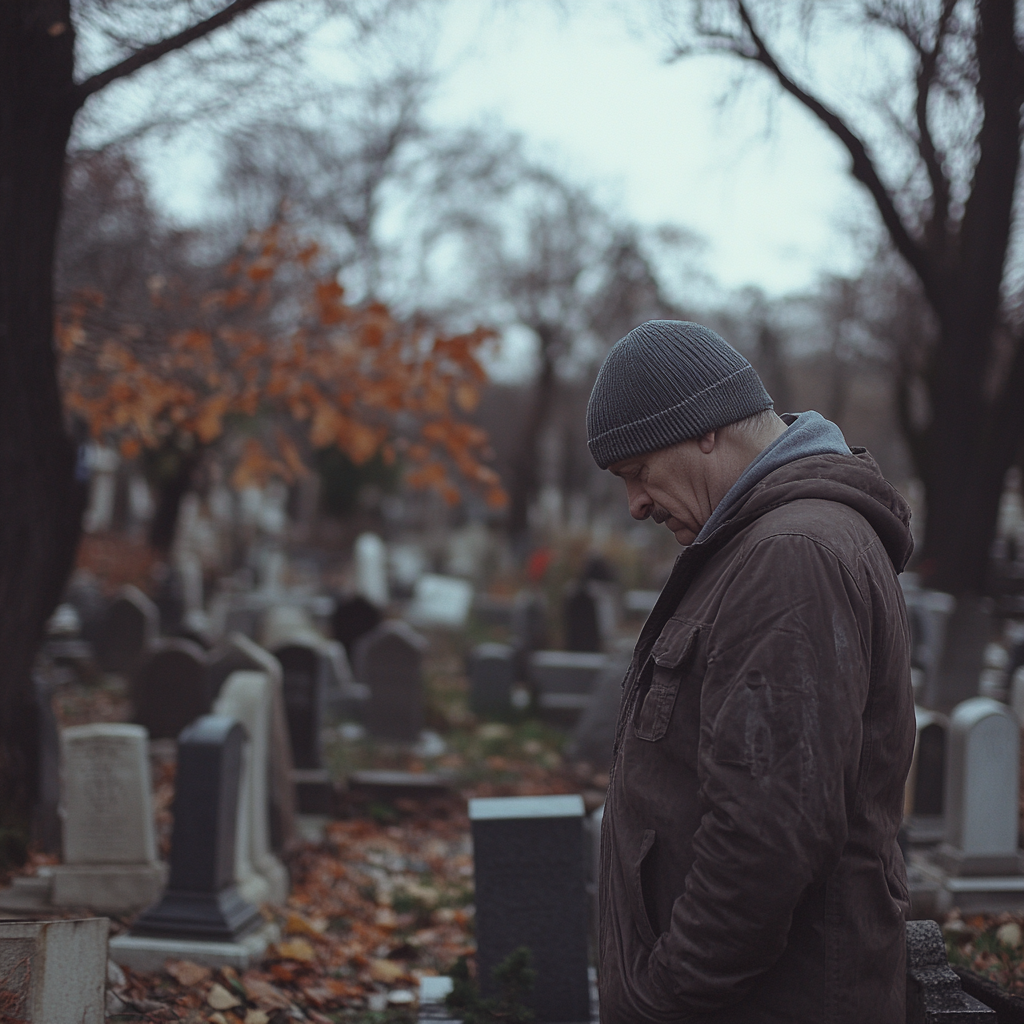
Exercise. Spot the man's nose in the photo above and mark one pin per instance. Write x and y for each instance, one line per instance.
(640, 503)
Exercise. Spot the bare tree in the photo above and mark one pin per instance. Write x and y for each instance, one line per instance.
(41, 94)
(943, 176)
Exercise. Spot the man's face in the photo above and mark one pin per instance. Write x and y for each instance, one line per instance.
(673, 486)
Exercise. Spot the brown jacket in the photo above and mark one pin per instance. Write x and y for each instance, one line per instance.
(749, 865)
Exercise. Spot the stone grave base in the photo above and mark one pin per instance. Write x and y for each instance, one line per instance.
(955, 862)
(108, 887)
(311, 827)
(142, 953)
(29, 894)
(991, 895)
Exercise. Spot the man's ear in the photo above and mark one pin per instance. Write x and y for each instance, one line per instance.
(706, 443)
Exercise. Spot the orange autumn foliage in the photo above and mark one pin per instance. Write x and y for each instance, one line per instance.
(276, 342)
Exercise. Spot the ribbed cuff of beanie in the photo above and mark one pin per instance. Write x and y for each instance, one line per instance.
(735, 397)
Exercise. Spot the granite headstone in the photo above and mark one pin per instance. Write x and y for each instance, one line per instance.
(169, 688)
(492, 674)
(131, 623)
(389, 662)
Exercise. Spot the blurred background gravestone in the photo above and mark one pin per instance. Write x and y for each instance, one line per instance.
(131, 623)
(169, 688)
(389, 662)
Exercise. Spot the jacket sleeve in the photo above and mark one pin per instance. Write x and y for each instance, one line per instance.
(781, 709)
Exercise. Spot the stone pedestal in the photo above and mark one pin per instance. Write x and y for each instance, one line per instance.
(54, 972)
(112, 888)
(528, 855)
(934, 995)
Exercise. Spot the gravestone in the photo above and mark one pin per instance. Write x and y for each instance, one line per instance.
(130, 625)
(169, 688)
(934, 994)
(306, 677)
(924, 801)
(240, 654)
(1017, 694)
(352, 619)
(110, 854)
(579, 614)
(967, 634)
(201, 916)
(492, 674)
(442, 601)
(529, 621)
(371, 558)
(594, 734)
(53, 972)
(249, 697)
(46, 828)
(528, 855)
(564, 682)
(982, 780)
(389, 663)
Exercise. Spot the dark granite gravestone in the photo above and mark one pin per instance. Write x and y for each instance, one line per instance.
(492, 674)
(46, 823)
(528, 855)
(352, 619)
(594, 734)
(579, 615)
(934, 994)
(923, 824)
(564, 683)
(388, 661)
(132, 623)
(240, 654)
(201, 901)
(169, 688)
(306, 671)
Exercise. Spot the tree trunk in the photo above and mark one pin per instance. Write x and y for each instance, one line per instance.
(41, 500)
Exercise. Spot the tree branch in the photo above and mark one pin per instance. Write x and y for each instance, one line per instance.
(863, 168)
(154, 51)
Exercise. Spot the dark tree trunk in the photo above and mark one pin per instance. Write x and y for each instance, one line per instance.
(526, 462)
(41, 501)
(172, 485)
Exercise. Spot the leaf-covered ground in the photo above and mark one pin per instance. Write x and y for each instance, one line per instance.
(991, 945)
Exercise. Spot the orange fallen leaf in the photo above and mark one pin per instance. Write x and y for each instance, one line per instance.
(296, 949)
(265, 995)
(386, 971)
(187, 973)
(296, 924)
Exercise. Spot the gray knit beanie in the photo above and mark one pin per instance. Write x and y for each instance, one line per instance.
(664, 382)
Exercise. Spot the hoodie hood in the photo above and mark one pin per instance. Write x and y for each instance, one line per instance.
(854, 480)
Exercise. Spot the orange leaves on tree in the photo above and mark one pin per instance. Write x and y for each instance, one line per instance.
(275, 340)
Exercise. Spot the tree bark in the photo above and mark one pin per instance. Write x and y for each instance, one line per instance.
(41, 501)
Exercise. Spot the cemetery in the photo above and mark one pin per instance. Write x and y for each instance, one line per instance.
(338, 674)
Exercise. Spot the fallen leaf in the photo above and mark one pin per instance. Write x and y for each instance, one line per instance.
(265, 995)
(296, 949)
(221, 999)
(296, 924)
(187, 973)
(217, 1018)
(257, 1017)
(386, 971)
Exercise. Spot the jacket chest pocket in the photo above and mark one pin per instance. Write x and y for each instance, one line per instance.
(659, 685)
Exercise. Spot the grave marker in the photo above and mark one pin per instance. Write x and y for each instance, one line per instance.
(564, 682)
(169, 688)
(389, 663)
(982, 773)
(528, 855)
(352, 619)
(579, 614)
(110, 856)
(131, 623)
(248, 697)
(201, 916)
(492, 674)
(371, 558)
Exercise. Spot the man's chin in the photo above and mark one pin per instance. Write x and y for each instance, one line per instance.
(683, 534)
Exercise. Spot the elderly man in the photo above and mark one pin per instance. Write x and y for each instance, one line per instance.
(749, 863)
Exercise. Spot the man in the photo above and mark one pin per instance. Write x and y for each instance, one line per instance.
(749, 864)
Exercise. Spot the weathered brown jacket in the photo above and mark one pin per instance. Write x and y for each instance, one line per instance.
(749, 864)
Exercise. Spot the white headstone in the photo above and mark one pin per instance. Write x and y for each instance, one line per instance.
(440, 601)
(248, 697)
(110, 856)
(1017, 694)
(982, 782)
(372, 568)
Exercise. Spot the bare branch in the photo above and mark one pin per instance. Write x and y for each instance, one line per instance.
(863, 168)
(154, 51)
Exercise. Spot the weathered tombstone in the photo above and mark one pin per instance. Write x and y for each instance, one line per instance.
(352, 619)
(201, 916)
(131, 623)
(967, 634)
(492, 674)
(982, 782)
(924, 801)
(564, 682)
(528, 855)
(46, 828)
(934, 995)
(594, 734)
(249, 697)
(371, 559)
(169, 688)
(110, 855)
(440, 601)
(1017, 694)
(579, 614)
(928, 613)
(306, 671)
(529, 621)
(54, 972)
(389, 663)
(285, 622)
(240, 654)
